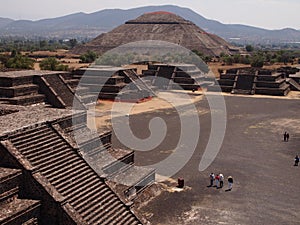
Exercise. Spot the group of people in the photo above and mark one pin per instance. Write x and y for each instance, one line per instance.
(218, 179)
(286, 137)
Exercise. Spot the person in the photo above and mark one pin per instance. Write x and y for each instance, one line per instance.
(212, 178)
(296, 160)
(287, 136)
(284, 136)
(217, 178)
(221, 180)
(230, 182)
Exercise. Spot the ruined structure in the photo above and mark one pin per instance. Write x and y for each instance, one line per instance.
(255, 81)
(106, 82)
(162, 26)
(185, 76)
(34, 87)
(53, 168)
(122, 84)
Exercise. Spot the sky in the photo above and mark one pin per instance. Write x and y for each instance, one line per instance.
(270, 14)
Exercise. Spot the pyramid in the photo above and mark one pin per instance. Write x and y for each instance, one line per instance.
(162, 26)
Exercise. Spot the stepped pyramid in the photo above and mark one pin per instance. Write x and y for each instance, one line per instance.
(57, 180)
(162, 26)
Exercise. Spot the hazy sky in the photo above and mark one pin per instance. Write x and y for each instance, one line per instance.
(272, 14)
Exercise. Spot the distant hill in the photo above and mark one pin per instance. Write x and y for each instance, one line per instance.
(82, 25)
(4, 22)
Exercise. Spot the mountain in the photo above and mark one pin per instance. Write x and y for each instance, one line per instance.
(5, 21)
(82, 25)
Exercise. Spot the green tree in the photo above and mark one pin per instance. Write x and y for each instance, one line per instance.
(88, 57)
(257, 61)
(73, 42)
(52, 64)
(249, 48)
(20, 62)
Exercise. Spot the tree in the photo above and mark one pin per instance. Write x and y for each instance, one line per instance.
(249, 48)
(73, 42)
(257, 61)
(88, 57)
(52, 64)
(20, 62)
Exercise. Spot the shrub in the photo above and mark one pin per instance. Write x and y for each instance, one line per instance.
(52, 64)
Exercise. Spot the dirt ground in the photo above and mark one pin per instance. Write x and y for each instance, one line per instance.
(266, 184)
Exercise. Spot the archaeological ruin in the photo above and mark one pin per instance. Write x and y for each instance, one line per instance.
(162, 26)
(56, 170)
(257, 81)
(53, 168)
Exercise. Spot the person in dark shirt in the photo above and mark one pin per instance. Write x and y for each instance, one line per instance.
(296, 160)
(230, 182)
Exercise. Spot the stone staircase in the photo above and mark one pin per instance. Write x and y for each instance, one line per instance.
(252, 81)
(64, 168)
(294, 85)
(18, 88)
(58, 93)
(138, 82)
(12, 209)
(113, 164)
(107, 83)
(187, 77)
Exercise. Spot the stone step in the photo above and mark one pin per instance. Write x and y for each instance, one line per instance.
(26, 99)
(38, 143)
(98, 150)
(92, 209)
(83, 192)
(45, 153)
(72, 82)
(104, 212)
(101, 206)
(88, 180)
(51, 157)
(115, 214)
(131, 221)
(72, 194)
(9, 195)
(89, 98)
(72, 176)
(28, 133)
(19, 211)
(89, 197)
(53, 170)
(60, 158)
(32, 221)
(20, 90)
(31, 150)
(49, 168)
(127, 218)
(9, 184)
(28, 138)
(63, 170)
(74, 127)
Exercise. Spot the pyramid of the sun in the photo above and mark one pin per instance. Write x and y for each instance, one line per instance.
(163, 26)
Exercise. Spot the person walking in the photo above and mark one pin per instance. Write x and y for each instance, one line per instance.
(212, 178)
(284, 136)
(230, 183)
(296, 160)
(221, 180)
(287, 136)
(217, 178)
